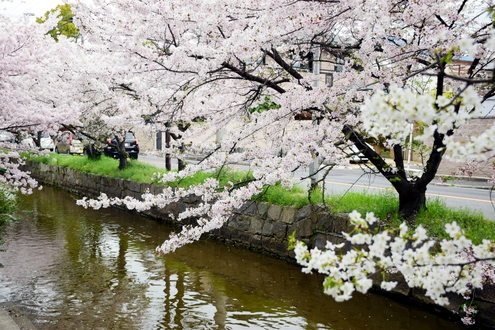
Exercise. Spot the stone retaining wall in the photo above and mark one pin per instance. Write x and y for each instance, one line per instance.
(257, 226)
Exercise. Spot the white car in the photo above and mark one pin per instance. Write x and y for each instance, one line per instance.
(28, 141)
(46, 142)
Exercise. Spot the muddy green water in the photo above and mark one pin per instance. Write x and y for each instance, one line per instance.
(71, 268)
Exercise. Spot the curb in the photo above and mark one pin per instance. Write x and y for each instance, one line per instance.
(12, 318)
(487, 187)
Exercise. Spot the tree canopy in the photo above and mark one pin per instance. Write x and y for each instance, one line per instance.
(363, 71)
(186, 63)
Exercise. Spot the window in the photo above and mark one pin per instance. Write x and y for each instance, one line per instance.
(329, 79)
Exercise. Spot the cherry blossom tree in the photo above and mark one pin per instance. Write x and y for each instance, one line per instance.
(100, 86)
(188, 63)
(216, 60)
(32, 97)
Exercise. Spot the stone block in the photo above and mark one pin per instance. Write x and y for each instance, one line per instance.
(455, 300)
(154, 189)
(256, 226)
(325, 223)
(487, 294)
(279, 230)
(321, 240)
(145, 187)
(288, 214)
(485, 319)
(267, 230)
(274, 212)
(303, 229)
(341, 223)
(241, 237)
(224, 232)
(241, 222)
(262, 210)
(402, 288)
(43, 168)
(104, 181)
(192, 199)
(304, 212)
(338, 239)
(249, 208)
(256, 241)
(180, 207)
(275, 247)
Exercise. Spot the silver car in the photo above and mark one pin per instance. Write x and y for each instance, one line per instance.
(6, 136)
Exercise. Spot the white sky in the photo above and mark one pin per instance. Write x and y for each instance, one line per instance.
(17, 8)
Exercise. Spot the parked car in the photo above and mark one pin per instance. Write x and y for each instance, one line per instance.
(68, 143)
(46, 142)
(27, 140)
(6, 136)
(131, 146)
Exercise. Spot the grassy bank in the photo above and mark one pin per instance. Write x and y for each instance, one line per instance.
(384, 205)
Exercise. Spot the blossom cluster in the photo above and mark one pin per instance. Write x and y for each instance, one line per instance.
(390, 114)
(437, 266)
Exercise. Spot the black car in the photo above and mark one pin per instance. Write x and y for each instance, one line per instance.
(131, 146)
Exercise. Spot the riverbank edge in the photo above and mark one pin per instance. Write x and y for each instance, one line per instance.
(259, 227)
(12, 318)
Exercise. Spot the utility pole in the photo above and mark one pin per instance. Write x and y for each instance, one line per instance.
(315, 165)
(168, 161)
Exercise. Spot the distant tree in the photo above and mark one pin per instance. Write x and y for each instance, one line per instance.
(32, 95)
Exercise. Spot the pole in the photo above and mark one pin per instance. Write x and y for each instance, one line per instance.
(168, 163)
(409, 154)
(315, 165)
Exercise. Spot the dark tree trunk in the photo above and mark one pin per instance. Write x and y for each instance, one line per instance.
(181, 165)
(412, 192)
(411, 201)
(122, 161)
(92, 152)
(122, 154)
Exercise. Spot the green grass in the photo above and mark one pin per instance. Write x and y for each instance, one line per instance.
(438, 215)
(296, 196)
(434, 218)
(108, 166)
(383, 205)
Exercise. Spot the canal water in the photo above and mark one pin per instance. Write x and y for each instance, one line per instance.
(71, 268)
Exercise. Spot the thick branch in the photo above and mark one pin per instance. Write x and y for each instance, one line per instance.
(251, 77)
(399, 182)
(280, 61)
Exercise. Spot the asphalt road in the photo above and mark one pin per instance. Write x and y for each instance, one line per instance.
(458, 194)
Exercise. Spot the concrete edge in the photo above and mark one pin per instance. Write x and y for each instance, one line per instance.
(12, 318)
(446, 184)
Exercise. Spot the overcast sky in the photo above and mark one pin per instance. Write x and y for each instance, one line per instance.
(17, 8)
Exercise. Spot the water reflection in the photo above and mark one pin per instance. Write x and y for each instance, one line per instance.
(72, 268)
